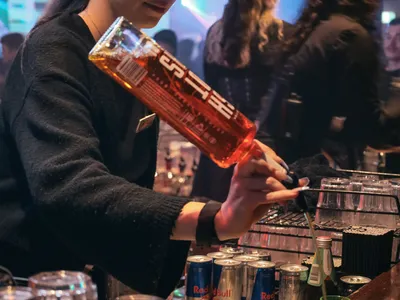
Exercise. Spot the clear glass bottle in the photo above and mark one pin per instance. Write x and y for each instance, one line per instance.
(175, 94)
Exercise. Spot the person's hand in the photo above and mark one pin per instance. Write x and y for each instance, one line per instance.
(255, 186)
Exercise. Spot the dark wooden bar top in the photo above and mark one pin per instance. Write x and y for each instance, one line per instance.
(384, 287)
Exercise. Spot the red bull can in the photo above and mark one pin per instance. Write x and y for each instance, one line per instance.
(261, 254)
(198, 278)
(245, 260)
(293, 282)
(227, 280)
(231, 250)
(350, 284)
(219, 255)
(261, 280)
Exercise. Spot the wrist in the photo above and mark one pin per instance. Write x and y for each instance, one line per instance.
(186, 224)
(222, 227)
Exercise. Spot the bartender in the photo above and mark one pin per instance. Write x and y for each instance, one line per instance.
(75, 175)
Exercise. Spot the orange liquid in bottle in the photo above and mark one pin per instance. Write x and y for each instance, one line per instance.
(174, 93)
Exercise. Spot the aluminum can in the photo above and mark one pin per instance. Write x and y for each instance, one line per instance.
(219, 255)
(293, 282)
(63, 284)
(16, 293)
(231, 250)
(245, 260)
(198, 278)
(227, 280)
(260, 254)
(261, 280)
(352, 283)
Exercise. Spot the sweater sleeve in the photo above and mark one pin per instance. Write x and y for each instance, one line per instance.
(106, 220)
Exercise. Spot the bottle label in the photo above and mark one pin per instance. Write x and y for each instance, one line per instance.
(315, 278)
(131, 70)
(134, 74)
(322, 268)
(327, 262)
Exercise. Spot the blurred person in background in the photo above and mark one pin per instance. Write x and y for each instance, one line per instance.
(239, 56)
(198, 62)
(331, 62)
(10, 44)
(391, 87)
(186, 48)
(76, 177)
(167, 39)
(392, 48)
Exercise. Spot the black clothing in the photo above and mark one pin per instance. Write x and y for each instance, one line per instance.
(390, 93)
(4, 68)
(315, 168)
(342, 83)
(244, 88)
(75, 178)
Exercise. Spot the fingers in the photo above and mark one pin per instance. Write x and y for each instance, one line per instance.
(283, 195)
(304, 181)
(271, 153)
(249, 167)
(262, 184)
(262, 198)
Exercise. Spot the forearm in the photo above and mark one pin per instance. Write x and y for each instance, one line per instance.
(186, 224)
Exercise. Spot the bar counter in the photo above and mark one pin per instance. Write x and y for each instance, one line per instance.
(384, 287)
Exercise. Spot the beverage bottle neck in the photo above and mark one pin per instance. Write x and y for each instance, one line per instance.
(322, 268)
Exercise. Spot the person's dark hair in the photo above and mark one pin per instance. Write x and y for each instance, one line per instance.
(185, 48)
(315, 11)
(167, 36)
(245, 23)
(55, 8)
(12, 40)
(395, 22)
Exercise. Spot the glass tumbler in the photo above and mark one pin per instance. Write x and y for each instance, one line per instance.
(329, 202)
(63, 284)
(377, 203)
(357, 181)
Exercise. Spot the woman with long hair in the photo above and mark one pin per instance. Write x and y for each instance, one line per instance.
(331, 62)
(75, 175)
(240, 51)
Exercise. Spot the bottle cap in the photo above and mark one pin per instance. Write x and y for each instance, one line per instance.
(324, 242)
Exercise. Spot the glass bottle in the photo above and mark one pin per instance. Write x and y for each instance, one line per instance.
(175, 94)
(322, 278)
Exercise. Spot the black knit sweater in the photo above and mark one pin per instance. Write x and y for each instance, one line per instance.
(75, 178)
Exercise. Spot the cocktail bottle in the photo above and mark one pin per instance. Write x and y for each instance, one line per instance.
(176, 94)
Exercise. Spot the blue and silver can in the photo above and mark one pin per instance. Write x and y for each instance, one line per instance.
(260, 254)
(198, 278)
(235, 251)
(227, 280)
(245, 260)
(219, 255)
(261, 280)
